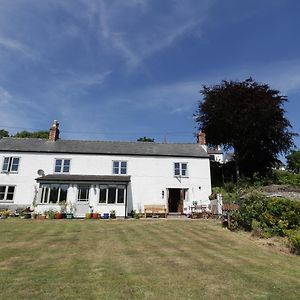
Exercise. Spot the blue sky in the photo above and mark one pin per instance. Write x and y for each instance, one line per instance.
(119, 70)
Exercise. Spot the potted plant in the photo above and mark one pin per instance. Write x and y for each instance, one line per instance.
(63, 208)
(51, 214)
(96, 215)
(112, 214)
(5, 213)
(71, 207)
(105, 216)
(88, 215)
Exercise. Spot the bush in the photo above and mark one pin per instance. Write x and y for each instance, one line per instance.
(274, 216)
(294, 241)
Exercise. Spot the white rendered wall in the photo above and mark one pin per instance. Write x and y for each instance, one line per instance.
(150, 176)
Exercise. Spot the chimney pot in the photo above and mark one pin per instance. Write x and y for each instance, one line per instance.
(54, 131)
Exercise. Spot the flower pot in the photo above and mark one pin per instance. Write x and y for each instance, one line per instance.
(69, 216)
(105, 216)
(40, 217)
(96, 216)
(112, 216)
(58, 216)
(88, 215)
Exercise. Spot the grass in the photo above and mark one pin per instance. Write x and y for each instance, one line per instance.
(139, 259)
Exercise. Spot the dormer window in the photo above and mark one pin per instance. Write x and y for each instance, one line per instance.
(10, 164)
(62, 165)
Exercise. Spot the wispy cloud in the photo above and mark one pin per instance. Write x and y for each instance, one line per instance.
(5, 96)
(16, 46)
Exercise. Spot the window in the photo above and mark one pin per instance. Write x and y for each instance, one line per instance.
(180, 169)
(62, 165)
(54, 193)
(119, 167)
(83, 193)
(10, 164)
(7, 192)
(112, 194)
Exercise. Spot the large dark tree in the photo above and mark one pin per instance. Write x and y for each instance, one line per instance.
(248, 117)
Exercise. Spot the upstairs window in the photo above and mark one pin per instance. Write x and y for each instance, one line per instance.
(180, 169)
(7, 193)
(119, 167)
(10, 164)
(62, 165)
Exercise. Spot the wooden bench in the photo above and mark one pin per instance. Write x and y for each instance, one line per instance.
(155, 210)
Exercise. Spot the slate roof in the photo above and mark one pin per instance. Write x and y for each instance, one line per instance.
(101, 147)
(82, 178)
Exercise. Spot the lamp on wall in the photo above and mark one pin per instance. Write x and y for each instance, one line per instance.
(199, 187)
(163, 194)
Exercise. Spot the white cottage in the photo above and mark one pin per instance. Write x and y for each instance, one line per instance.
(102, 175)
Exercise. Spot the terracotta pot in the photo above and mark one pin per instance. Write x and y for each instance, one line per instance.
(95, 216)
(58, 216)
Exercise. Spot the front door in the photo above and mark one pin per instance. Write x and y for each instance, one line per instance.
(83, 205)
(175, 200)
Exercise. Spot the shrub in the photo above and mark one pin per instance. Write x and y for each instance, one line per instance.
(294, 242)
(275, 216)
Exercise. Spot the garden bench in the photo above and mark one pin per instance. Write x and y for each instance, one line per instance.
(155, 210)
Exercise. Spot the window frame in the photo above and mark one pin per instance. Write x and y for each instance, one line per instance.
(10, 164)
(5, 200)
(119, 167)
(82, 200)
(46, 192)
(181, 169)
(62, 165)
(118, 187)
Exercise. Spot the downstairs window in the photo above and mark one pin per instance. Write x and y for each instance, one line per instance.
(54, 193)
(112, 194)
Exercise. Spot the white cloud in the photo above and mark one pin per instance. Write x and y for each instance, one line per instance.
(5, 96)
(16, 46)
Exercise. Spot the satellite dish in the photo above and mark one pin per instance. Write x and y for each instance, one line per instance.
(41, 172)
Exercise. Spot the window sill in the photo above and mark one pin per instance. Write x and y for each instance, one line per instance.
(6, 201)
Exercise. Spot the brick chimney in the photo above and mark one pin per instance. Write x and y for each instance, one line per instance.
(201, 140)
(54, 131)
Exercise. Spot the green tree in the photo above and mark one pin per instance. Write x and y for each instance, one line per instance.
(145, 139)
(36, 134)
(293, 161)
(3, 133)
(248, 117)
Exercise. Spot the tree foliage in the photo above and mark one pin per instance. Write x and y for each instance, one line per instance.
(3, 133)
(248, 117)
(36, 134)
(145, 139)
(293, 161)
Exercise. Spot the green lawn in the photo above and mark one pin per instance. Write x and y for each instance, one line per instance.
(139, 259)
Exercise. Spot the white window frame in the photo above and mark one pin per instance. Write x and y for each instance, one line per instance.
(62, 165)
(117, 187)
(6, 192)
(181, 169)
(47, 186)
(10, 164)
(81, 200)
(119, 167)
